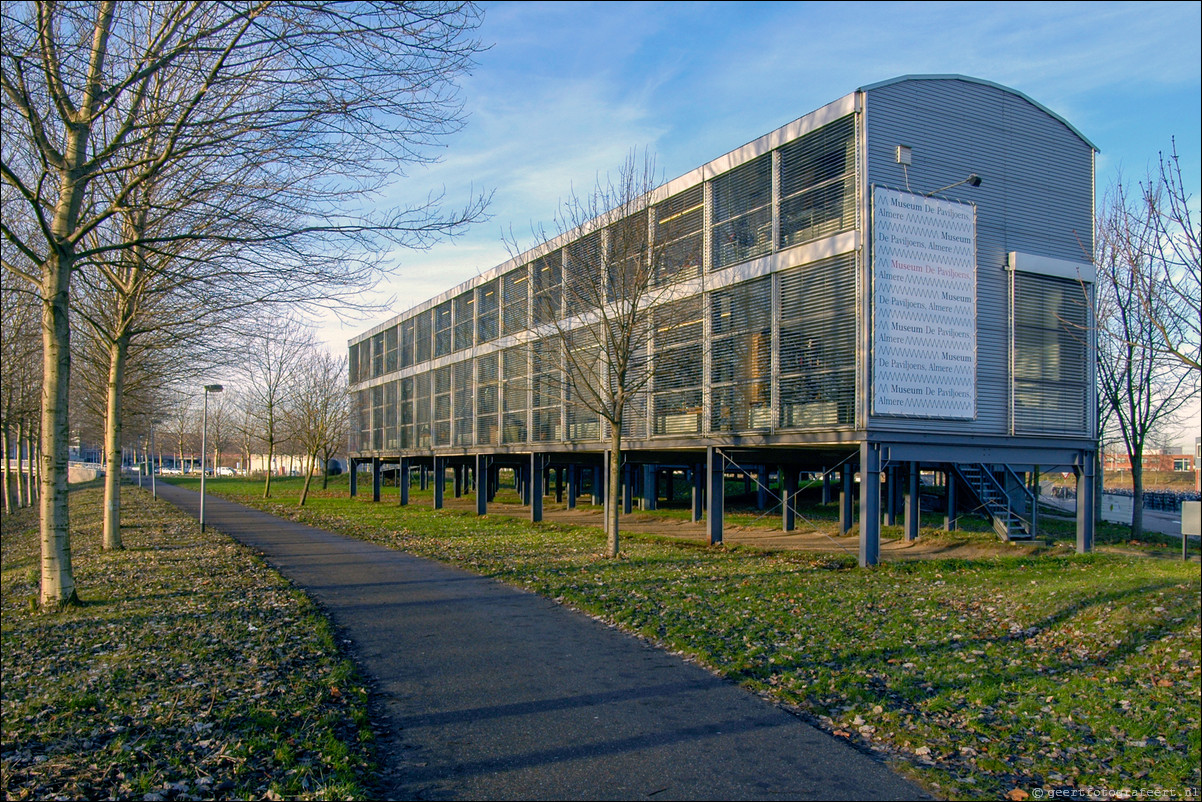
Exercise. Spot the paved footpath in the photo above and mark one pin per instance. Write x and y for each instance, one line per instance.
(490, 692)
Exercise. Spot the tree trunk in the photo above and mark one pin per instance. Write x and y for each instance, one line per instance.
(9, 496)
(22, 488)
(58, 578)
(325, 471)
(270, 467)
(112, 445)
(312, 461)
(612, 542)
(1137, 495)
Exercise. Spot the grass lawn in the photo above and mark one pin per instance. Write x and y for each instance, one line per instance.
(979, 678)
(189, 671)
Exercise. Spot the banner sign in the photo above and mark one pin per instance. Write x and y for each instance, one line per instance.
(924, 306)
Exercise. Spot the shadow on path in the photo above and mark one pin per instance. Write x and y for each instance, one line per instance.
(491, 692)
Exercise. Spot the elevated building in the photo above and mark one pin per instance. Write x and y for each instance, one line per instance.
(895, 284)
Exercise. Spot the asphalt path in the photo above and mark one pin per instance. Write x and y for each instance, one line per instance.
(490, 692)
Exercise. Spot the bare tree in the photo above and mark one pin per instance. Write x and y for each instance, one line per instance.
(1142, 385)
(318, 409)
(19, 347)
(618, 286)
(326, 101)
(1161, 226)
(273, 356)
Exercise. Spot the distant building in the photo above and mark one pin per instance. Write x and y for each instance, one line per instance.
(896, 282)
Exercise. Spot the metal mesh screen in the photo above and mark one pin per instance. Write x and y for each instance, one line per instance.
(627, 258)
(487, 312)
(487, 410)
(442, 329)
(442, 406)
(391, 349)
(352, 364)
(422, 340)
(405, 413)
(677, 380)
(546, 391)
(817, 184)
(817, 344)
(465, 320)
(679, 236)
(377, 355)
(421, 410)
(390, 416)
(514, 386)
(515, 300)
(742, 212)
(582, 366)
(582, 275)
(407, 348)
(464, 408)
(547, 275)
(1050, 355)
(377, 417)
(741, 331)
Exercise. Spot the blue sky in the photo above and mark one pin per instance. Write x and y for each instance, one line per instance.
(566, 90)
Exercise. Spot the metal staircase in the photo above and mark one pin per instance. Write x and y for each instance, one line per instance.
(996, 502)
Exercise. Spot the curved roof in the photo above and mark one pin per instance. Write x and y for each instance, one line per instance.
(971, 80)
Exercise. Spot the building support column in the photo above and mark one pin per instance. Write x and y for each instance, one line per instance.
(870, 504)
(571, 482)
(826, 486)
(698, 492)
(403, 482)
(559, 485)
(950, 516)
(891, 495)
(913, 515)
(1085, 502)
(375, 478)
(627, 488)
(761, 487)
(599, 480)
(788, 498)
(353, 464)
(846, 513)
(715, 472)
(650, 487)
(438, 476)
(535, 486)
(457, 480)
(482, 484)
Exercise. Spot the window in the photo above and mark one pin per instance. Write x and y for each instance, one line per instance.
(742, 213)
(741, 330)
(515, 300)
(1050, 355)
(679, 231)
(465, 320)
(547, 276)
(487, 308)
(513, 364)
(405, 413)
(421, 410)
(817, 344)
(377, 355)
(464, 412)
(546, 391)
(486, 400)
(407, 343)
(421, 338)
(817, 184)
(583, 289)
(442, 329)
(390, 350)
(442, 406)
(676, 383)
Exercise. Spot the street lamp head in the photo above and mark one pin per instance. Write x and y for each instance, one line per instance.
(213, 388)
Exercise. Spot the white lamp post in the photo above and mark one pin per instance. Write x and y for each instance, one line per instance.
(204, 444)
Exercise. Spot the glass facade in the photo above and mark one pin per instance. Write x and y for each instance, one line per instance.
(774, 352)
